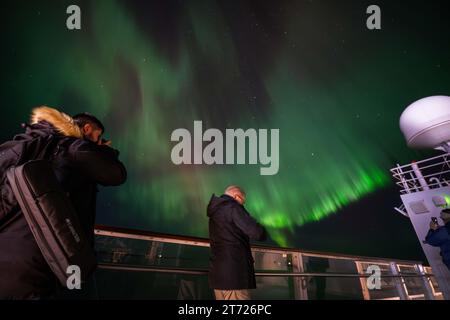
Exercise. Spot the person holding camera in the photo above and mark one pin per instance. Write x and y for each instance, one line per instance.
(81, 160)
(439, 236)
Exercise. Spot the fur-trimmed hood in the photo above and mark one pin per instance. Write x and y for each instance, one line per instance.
(63, 123)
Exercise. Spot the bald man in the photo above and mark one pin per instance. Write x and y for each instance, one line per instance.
(231, 270)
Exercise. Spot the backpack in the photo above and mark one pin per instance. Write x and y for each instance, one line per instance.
(29, 185)
(52, 219)
(13, 153)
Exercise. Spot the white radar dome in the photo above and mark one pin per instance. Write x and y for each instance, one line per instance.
(426, 123)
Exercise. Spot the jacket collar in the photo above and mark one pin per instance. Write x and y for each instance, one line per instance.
(61, 122)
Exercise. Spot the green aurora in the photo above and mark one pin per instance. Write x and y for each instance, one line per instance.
(334, 89)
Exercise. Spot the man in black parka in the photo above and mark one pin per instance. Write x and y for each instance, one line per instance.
(231, 272)
(81, 160)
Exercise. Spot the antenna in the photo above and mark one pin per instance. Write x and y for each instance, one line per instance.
(426, 123)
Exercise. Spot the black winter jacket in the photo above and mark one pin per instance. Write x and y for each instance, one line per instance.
(79, 166)
(230, 230)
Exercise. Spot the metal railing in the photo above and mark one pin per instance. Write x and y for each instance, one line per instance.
(423, 175)
(291, 266)
(111, 266)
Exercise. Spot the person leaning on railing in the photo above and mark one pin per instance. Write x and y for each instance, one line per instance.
(231, 272)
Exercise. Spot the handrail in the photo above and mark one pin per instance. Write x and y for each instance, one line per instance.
(397, 172)
(119, 232)
(189, 271)
(426, 176)
(423, 161)
(410, 177)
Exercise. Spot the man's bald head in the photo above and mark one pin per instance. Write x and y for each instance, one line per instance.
(237, 193)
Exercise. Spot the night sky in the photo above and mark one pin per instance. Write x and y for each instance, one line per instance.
(310, 68)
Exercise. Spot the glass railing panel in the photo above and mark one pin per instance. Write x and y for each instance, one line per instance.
(150, 253)
(434, 283)
(331, 287)
(414, 285)
(272, 261)
(121, 250)
(388, 289)
(182, 256)
(273, 287)
(131, 285)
